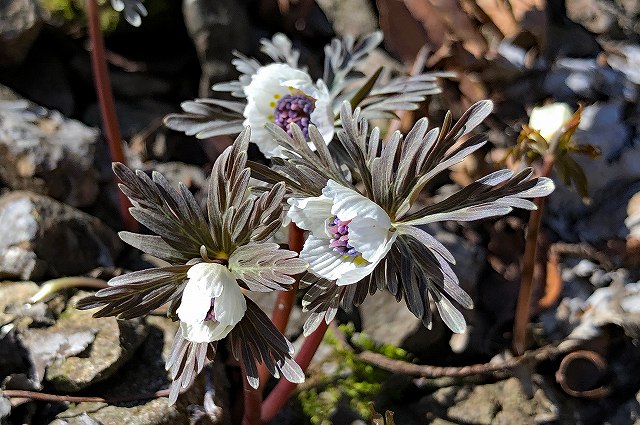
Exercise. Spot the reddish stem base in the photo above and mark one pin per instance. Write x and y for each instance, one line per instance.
(281, 393)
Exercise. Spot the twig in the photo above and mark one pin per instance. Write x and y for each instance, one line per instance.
(523, 308)
(281, 393)
(107, 104)
(427, 371)
(581, 250)
(35, 395)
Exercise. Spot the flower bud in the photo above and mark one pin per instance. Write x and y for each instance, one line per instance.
(550, 118)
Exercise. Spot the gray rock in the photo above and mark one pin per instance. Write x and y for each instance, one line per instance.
(114, 344)
(44, 237)
(42, 151)
(14, 297)
(12, 356)
(627, 413)
(350, 17)
(610, 19)
(45, 346)
(217, 28)
(20, 24)
(502, 402)
(5, 409)
(390, 322)
(571, 80)
(154, 412)
(611, 178)
(145, 373)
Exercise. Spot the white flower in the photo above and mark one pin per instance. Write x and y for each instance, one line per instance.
(284, 95)
(212, 303)
(350, 234)
(549, 119)
(134, 10)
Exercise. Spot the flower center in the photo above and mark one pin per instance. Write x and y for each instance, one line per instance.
(339, 231)
(210, 315)
(294, 109)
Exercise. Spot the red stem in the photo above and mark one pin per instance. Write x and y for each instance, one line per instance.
(107, 104)
(281, 393)
(252, 400)
(286, 299)
(523, 308)
(284, 303)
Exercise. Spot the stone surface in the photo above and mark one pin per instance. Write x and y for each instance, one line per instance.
(350, 17)
(217, 28)
(45, 346)
(611, 178)
(628, 413)
(42, 151)
(20, 24)
(115, 343)
(390, 322)
(14, 297)
(608, 18)
(46, 238)
(502, 402)
(154, 412)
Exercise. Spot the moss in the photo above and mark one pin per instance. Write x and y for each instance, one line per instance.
(355, 382)
(72, 12)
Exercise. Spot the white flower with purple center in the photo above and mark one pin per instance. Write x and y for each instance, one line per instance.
(284, 95)
(350, 234)
(212, 303)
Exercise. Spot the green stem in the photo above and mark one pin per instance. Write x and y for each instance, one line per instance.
(52, 286)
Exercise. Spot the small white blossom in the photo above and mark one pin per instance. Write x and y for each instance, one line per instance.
(350, 234)
(212, 303)
(549, 119)
(284, 95)
(134, 10)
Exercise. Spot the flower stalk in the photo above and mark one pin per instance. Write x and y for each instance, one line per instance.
(107, 105)
(283, 390)
(525, 295)
(285, 300)
(252, 401)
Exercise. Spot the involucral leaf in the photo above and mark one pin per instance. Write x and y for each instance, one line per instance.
(265, 267)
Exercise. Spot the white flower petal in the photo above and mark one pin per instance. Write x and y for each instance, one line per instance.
(209, 281)
(205, 331)
(371, 238)
(348, 203)
(311, 214)
(322, 116)
(266, 84)
(550, 118)
(203, 285)
(230, 306)
(325, 262)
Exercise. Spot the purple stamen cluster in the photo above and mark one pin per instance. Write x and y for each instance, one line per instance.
(210, 315)
(294, 109)
(339, 230)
